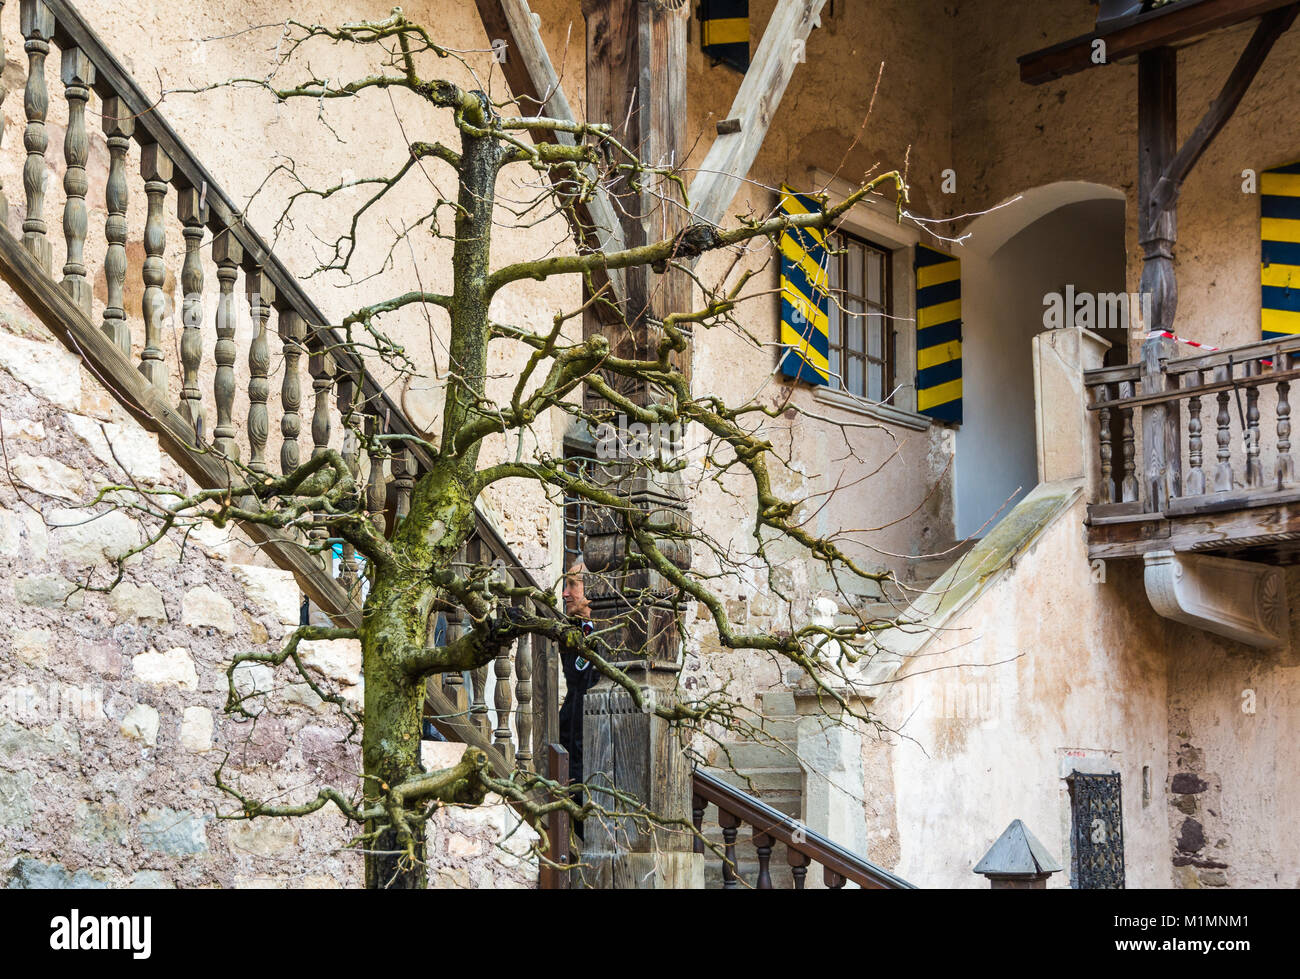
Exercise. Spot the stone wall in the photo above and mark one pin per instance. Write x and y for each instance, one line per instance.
(112, 726)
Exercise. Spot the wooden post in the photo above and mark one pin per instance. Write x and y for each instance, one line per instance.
(636, 82)
(1158, 233)
(557, 826)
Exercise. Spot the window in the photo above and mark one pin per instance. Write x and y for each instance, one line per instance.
(862, 354)
(1097, 832)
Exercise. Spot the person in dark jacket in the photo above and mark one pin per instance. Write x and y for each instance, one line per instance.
(579, 674)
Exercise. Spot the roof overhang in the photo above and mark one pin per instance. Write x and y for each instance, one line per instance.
(1127, 33)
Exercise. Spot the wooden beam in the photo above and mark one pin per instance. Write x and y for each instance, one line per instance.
(728, 161)
(1163, 27)
(536, 88)
(1272, 26)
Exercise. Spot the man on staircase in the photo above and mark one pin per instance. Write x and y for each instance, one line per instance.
(579, 675)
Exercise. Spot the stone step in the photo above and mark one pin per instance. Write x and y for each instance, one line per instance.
(747, 756)
(765, 782)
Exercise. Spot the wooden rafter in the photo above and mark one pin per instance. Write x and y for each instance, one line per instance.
(732, 154)
(536, 87)
(1272, 26)
(1165, 27)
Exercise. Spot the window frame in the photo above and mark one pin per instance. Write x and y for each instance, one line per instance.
(840, 255)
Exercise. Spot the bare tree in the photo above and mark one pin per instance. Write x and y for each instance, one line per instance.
(637, 403)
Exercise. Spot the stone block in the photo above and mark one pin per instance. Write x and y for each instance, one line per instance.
(32, 646)
(174, 667)
(272, 590)
(138, 603)
(262, 837)
(48, 591)
(203, 608)
(176, 833)
(46, 369)
(121, 447)
(338, 659)
(196, 729)
(141, 724)
(48, 476)
(90, 540)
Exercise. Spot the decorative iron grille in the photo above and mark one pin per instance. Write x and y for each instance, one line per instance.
(1098, 832)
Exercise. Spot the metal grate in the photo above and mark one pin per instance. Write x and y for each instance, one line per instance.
(1098, 835)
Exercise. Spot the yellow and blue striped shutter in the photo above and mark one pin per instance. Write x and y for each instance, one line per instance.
(805, 296)
(1279, 208)
(938, 335)
(724, 31)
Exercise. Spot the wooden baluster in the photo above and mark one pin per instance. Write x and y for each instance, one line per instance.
(1107, 450)
(403, 464)
(501, 701)
(4, 94)
(321, 368)
(193, 213)
(478, 712)
(1195, 450)
(78, 75)
(38, 28)
(261, 294)
(293, 333)
(156, 167)
(730, 824)
(524, 700)
(453, 683)
(833, 880)
(119, 126)
(229, 255)
(347, 390)
(1285, 465)
(698, 805)
(1129, 484)
(1223, 472)
(763, 844)
(798, 866)
(1254, 470)
(376, 485)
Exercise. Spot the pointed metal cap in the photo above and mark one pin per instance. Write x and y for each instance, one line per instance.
(1017, 853)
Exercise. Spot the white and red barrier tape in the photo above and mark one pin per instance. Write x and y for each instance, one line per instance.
(1166, 335)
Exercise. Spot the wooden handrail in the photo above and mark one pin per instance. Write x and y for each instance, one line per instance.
(765, 820)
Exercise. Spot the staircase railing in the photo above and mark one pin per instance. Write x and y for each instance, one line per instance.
(770, 826)
(518, 718)
(1141, 410)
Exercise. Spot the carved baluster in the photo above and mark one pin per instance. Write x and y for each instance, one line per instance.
(1254, 470)
(1195, 453)
(293, 331)
(798, 866)
(1285, 466)
(38, 28)
(403, 464)
(321, 368)
(478, 712)
(261, 294)
(119, 125)
(502, 702)
(156, 167)
(229, 255)
(1106, 449)
(347, 389)
(376, 485)
(4, 94)
(698, 805)
(453, 683)
(730, 824)
(1223, 472)
(524, 700)
(193, 213)
(833, 880)
(78, 75)
(1129, 484)
(763, 844)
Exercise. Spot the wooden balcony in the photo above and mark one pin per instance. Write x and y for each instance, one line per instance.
(1163, 488)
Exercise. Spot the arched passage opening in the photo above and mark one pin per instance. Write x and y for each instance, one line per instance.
(1059, 239)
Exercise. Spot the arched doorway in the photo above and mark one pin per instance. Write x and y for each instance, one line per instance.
(1048, 240)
